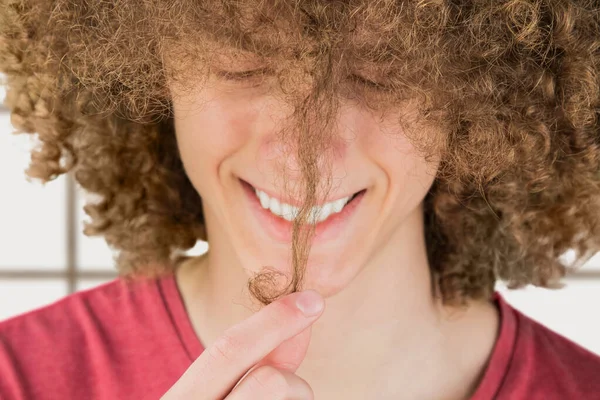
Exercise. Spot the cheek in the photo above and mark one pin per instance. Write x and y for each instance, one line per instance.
(209, 137)
(408, 174)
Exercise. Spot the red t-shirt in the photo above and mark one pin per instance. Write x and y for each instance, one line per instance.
(122, 341)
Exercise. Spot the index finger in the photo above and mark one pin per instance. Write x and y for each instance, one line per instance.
(221, 366)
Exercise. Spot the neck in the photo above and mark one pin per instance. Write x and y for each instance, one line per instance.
(383, 326)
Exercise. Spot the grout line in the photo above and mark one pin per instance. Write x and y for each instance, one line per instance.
(583, 275)
(71, 226)
(37, 274)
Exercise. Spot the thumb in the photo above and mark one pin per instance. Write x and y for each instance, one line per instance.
(290, 353)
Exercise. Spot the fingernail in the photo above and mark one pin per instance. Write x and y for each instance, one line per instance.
(310, 302)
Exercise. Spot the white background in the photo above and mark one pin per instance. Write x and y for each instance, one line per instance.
(33, 235)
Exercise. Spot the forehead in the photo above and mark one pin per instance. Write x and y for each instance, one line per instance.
(314, 44)
(321, 36)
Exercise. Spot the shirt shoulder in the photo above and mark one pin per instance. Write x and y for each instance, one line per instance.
(65, 349)
(73, 315)
(547, 365)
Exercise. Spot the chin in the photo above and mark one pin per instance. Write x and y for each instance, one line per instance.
(329, 275)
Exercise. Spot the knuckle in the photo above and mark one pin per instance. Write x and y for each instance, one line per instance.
(226, 347)
(271, 381)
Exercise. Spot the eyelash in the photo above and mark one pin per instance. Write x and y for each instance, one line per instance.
(247, 75)
(241, 76)
(369, 83)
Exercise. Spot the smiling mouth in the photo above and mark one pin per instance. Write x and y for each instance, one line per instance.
(289, 212)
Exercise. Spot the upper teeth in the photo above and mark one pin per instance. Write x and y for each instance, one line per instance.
(289, 212)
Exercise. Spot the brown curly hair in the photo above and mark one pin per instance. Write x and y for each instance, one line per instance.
(515, 84)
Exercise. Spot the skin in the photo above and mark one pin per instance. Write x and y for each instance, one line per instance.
(273, 357)
(382, 331)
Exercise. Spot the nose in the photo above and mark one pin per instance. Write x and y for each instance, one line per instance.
(278, 154)
(285, 154)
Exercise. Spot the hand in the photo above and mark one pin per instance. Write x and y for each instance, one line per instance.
(257, 358)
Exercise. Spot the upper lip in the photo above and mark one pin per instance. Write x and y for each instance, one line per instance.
(294, 202)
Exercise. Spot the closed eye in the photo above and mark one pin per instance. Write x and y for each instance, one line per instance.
(368, 83)
(242, 76)
(237, 76)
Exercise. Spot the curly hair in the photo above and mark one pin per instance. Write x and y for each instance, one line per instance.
(515, 85)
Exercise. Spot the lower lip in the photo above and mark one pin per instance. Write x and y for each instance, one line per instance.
(281, 229)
